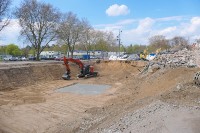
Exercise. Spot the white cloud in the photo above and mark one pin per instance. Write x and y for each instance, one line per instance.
(176, 18)
(140, 34)
(194, 24)
(10, 33)
(145, 24)
(118, 25)
(169, 27)
(117, 10)
(126, 22)
(191, 28)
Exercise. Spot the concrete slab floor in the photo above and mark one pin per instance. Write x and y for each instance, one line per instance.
(85, 89)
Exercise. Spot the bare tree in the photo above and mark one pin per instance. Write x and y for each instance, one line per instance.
(100, 40)
(70, 30)
(39, 22)
(4, 13)
(86, 34)
(95, 37)
(111, 40)
(179, 40)
(158, 42)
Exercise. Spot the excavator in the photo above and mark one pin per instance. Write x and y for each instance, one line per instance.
(86, 70)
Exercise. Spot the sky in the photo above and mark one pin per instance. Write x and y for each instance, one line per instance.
(137, 19)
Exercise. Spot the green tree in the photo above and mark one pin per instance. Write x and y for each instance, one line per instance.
(130, 49)
(122, 48)
(3, 49)
(102, 45)
(136, 48)
(32, 52)
(13, 49)
(26, 50)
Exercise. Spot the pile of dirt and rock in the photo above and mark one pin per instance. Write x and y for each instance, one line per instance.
(181, 58)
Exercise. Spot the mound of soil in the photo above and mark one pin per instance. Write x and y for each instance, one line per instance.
(14, 77)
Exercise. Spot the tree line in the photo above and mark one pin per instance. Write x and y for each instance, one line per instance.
(160, 43)
(44, 27)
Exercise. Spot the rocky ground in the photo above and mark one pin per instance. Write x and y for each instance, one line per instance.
(158, 117)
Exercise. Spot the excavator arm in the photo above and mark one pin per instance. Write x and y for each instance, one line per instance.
(68, 71)
(77, 61)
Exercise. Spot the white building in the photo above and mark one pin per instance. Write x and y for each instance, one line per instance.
(50, 54)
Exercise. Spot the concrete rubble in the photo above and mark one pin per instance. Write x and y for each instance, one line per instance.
(181, 58)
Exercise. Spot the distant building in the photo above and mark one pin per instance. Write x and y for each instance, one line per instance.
(98, 54)
(93, 54)
(50, 54)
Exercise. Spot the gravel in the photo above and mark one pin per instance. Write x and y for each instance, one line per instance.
(158, 117)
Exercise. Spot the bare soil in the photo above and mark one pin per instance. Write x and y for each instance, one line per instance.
(29, 102)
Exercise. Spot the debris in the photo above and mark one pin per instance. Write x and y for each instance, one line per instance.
(182, 58)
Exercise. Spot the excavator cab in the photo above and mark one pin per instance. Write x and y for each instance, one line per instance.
(87, 71)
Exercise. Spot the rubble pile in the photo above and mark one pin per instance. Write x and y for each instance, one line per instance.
(180, 58)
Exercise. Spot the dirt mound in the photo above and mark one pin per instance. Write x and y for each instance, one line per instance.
(18, 76)
(117, 70)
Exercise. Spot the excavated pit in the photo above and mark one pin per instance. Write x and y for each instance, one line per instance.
(35, 101)
(28, 94)
(84, 89)
(16, 75)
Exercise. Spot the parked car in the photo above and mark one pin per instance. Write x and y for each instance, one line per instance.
(13, 59)
(24, 59)
(59, 59)
(122, 57)
(133, 57)
(113, 57)
(32, 58)
(47, 58)
(6, 58)
(44, 58)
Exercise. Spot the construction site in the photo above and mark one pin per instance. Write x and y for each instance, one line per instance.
(158, 96)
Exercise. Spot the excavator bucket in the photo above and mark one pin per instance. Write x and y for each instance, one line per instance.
(66, 76)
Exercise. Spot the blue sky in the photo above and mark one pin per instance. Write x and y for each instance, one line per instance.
(138, 19)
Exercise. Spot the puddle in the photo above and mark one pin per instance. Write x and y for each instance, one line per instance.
(85, 89)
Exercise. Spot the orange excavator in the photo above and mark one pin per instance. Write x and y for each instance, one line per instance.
(86, 70)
